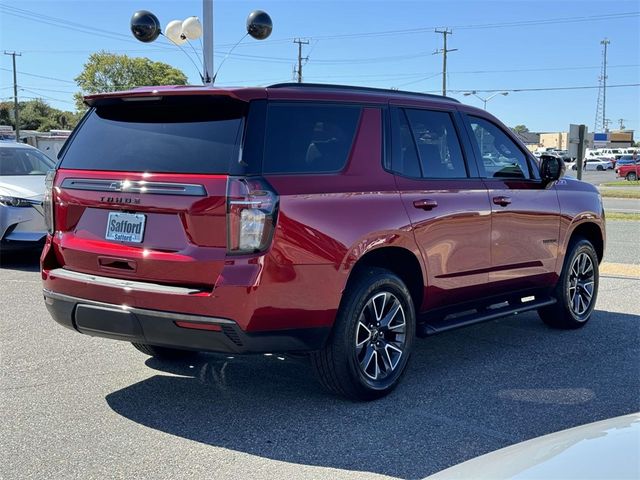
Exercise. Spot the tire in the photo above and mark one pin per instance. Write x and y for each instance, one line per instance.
(574, 168)
(600, 168)
(163, 353)
(632, 177)
(575, 302)
(363, 359)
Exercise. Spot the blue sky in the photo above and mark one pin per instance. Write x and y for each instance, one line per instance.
(558, 53)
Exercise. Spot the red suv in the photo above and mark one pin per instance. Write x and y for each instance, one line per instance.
(338, 221)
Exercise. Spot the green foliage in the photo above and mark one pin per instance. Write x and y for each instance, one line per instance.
(38, 115)
(520, 129)
(110, 72)
(6, 113)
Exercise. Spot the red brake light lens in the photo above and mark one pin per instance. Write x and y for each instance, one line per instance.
(252, 207)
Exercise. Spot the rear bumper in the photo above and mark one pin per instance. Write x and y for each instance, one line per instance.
(157, 327)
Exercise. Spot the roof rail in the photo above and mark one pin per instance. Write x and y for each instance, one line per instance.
(329, 86)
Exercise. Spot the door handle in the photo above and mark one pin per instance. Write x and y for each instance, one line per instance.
(425, 204)
(502, 200)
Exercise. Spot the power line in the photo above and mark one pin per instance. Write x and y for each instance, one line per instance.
(40, 76)
(47, 97)
(62, 23)
(66, 24)
(541, 89)
(548, 21)
(46, 89)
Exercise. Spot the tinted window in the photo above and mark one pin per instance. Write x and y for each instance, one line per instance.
(175, 138)
(304, 138)
(23, 161)
(501, 157)
(405, 155)
(437, 142)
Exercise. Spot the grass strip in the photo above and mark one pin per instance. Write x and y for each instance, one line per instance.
(617, 193)
(622, 216)
(622, 183)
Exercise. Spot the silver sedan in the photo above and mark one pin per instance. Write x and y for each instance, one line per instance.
(22, 173)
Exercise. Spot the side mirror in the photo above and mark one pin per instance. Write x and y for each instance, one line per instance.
(551, 168)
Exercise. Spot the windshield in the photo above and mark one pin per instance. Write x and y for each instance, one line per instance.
(158, 137)
(23, 161)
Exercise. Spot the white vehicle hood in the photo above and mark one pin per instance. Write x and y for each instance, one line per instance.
(602, 450)
(22, 186)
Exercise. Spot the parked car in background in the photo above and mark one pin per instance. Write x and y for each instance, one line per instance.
(340, 222)
(22, 174)
(564, 154)
(614, 153)
(603, 450)
(595, 155)
(592, 164)
(630, 171)
(626, 160)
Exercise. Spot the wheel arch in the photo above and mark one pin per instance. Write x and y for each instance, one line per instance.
(399, 260)
(590, 231)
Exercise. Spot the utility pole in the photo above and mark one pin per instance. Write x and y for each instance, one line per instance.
(582, 133)
(444, 52)
(15, 93)
(604, 42)
(300, 42)
(621, 122)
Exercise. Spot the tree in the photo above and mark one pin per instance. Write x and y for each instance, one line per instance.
(6, 113)
(37, 115)
(33, 114)
(521, 129)
(110, 72)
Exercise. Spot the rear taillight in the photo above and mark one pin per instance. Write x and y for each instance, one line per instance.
(252, 207)
(47, 202)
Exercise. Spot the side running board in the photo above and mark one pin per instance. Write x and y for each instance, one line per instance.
(431, 326)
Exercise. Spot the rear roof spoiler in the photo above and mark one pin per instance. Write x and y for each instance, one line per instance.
(150, 94)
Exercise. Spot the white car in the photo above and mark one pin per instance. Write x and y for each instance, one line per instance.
(602, 450)
(22, 173)
(592, 164)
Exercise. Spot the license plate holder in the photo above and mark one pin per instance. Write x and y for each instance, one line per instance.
(125, 227)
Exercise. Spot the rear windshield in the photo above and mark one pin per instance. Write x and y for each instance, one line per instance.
(188, 137)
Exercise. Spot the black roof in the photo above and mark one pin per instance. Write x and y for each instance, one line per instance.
(355, 88)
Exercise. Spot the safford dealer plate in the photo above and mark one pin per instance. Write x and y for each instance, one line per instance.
(125, 227)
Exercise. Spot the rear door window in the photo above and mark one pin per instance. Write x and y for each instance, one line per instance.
(437, 143)
(501, 157)
(185, 137)
(427, 145)
(308, 138)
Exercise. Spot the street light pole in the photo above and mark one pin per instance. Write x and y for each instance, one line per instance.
(485, 100)
(207, 41)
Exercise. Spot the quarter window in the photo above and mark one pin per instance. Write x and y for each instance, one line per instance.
(501, 157)
(304, 138)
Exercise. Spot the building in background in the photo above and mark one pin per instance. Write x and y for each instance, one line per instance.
(560, 140)
(531, 140)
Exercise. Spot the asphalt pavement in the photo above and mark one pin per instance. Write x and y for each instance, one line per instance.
(73, 406)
